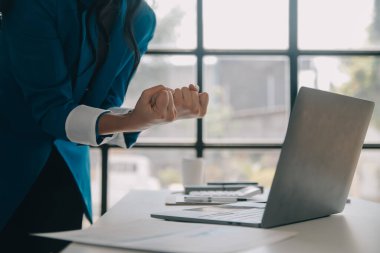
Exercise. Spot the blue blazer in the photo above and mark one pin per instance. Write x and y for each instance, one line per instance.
(39, 47)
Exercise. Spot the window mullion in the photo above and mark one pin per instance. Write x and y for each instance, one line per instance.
(293, 49)
(199, 54)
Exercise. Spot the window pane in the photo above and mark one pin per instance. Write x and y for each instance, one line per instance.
(241, 165)
(176, 24)
(245, 24)
(353, 76)
(339, 24)
(249, 98)
(366, 182)
(96, 177)
(172, 71)
(144, 169)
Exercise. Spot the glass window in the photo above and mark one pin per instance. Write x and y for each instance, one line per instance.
(241, 165)
(96, 177)
(249, 95)
(176, 24)
(245, 24)
(339, 24)
(366, 182)
(172, 71)
(353, 76)
(144, 169)
(249, 99)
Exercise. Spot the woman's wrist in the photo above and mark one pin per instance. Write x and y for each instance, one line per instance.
(131, 123)
(110, 123)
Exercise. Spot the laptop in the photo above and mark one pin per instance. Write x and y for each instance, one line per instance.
(317, 163)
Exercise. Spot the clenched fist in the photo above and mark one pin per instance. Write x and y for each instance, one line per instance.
(189, 103)
(159, 105)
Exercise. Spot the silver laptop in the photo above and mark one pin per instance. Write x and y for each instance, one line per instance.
(323, 142)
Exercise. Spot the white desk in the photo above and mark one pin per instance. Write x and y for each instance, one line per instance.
(356, 230)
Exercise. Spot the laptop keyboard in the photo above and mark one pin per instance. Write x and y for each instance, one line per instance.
(251, 215)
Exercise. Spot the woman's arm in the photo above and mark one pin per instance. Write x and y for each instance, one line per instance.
(157, 105)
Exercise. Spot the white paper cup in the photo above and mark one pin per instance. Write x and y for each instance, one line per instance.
(192, 171)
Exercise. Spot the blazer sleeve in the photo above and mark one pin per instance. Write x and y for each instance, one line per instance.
(114, 100)
(116, 95)
(38, 63)
(145, 26)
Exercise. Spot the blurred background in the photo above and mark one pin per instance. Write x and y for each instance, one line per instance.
(251, 56)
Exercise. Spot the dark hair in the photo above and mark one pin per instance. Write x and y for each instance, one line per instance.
(106, 13)
(4, 7)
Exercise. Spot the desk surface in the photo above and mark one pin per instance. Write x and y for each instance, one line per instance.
(355, 230)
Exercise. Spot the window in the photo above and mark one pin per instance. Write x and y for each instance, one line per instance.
(249, 99)
(245, 24)
(251, 56)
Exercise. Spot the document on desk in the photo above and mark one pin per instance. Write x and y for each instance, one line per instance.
(163, 236)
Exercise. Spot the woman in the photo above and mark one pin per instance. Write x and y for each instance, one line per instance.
(64, 69)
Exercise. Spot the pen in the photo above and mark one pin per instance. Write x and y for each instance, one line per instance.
(204, 199)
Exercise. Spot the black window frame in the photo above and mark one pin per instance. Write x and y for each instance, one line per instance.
(293, 54)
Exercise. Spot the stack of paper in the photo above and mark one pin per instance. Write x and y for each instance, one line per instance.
(162, 236)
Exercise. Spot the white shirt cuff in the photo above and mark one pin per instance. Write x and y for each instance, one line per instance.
(80, 125)
(120, 110)
(118, 140)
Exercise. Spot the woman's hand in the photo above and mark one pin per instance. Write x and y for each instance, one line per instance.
(160, 105)
(157, 105)
(154, 107)
(189, 103)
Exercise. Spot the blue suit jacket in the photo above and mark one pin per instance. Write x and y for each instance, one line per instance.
(39, 47)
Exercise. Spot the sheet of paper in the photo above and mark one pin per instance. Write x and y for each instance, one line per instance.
(164, 236)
